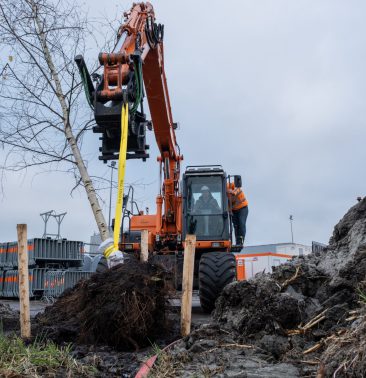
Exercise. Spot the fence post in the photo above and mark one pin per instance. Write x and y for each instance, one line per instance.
(187, 284)
(144, 255)
(25, 326)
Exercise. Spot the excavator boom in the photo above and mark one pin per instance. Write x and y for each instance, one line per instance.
(136, 65)
(137, 59)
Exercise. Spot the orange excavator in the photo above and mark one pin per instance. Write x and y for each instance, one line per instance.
(198, 202)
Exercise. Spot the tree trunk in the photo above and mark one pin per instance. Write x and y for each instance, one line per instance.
(88, 184)
(84, 175)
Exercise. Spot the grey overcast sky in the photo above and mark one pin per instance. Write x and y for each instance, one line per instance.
(273, 90)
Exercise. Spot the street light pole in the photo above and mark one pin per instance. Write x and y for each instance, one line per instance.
(113, 164)
(292, 233)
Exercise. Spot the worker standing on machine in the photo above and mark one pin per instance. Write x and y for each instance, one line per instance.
(239, 207)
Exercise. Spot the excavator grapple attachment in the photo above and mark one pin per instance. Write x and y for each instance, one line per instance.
(108, 125)
(107, 113)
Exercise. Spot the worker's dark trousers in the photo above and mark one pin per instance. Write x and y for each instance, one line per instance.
(239, 222)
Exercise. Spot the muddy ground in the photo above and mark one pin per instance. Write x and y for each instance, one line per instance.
(108, 361)
(9, 319)
(306, 319)
(113, 320)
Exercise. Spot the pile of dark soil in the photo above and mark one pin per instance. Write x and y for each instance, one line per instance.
(9, 319)
(346, 354)
(284, 321)
(125, 307)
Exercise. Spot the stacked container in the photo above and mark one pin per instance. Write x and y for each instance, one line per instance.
(45, 255)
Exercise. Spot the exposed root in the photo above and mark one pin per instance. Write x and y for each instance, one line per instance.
(124, 307)
(322, 342)
(291, 279)
(234, 346)
(310, 324)
(349, 349)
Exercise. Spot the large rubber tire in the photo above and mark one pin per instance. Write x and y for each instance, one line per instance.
(216, 270)
(102, 265)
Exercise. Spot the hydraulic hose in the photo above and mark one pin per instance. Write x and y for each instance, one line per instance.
(86, 89)
(139, 89)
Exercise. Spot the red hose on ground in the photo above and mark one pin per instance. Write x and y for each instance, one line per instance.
(145, 368)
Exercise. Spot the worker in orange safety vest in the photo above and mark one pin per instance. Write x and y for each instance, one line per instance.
(239, 207)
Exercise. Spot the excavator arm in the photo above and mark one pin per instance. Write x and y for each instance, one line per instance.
(137, 59)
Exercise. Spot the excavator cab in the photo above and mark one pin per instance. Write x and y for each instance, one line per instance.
(205, 205)
(206, 214)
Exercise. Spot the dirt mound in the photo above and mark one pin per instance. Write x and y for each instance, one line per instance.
(9, 319)
(292, 316)
(304, 305)
(346, 354)
(124, 307)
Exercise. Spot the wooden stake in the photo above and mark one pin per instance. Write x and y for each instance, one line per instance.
(187, 284)
(144, 255)
(25, 326)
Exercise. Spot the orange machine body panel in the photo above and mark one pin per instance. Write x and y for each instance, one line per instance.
(240, 268)
(143, 222)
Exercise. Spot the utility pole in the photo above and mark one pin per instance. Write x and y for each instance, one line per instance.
(292, 232)
(112, 166)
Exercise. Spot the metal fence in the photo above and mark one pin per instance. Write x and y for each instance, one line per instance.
(42, 251)
(57, 281)
(3, 248)
(9, 282)
(317, 247)
(1, 281)
(42, 282)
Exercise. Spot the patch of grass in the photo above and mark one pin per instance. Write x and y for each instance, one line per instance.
(166, 364)
(362, 295)
(38, 359)
(164, 367)
(208, 372)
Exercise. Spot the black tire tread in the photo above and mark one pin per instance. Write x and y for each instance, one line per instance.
(216, 270)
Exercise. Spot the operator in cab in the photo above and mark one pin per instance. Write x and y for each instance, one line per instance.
(206, 202)
(239, 207)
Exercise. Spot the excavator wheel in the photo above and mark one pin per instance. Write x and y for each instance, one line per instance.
(216, 270)
(102, 265)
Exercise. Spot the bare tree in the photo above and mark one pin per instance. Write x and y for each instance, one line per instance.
(42, 119)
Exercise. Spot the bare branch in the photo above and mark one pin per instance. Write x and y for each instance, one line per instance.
(42, 123)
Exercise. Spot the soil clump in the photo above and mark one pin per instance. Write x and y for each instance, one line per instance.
(9, 319)
(125, 308)
(303, 319)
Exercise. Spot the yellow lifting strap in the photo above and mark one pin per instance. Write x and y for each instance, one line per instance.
(121, 180)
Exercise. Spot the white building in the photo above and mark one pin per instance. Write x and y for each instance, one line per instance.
(261, 258)
(291, 249)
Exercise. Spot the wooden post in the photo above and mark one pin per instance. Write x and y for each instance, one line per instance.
(25, 326)
(144, 255)
(187, 284)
